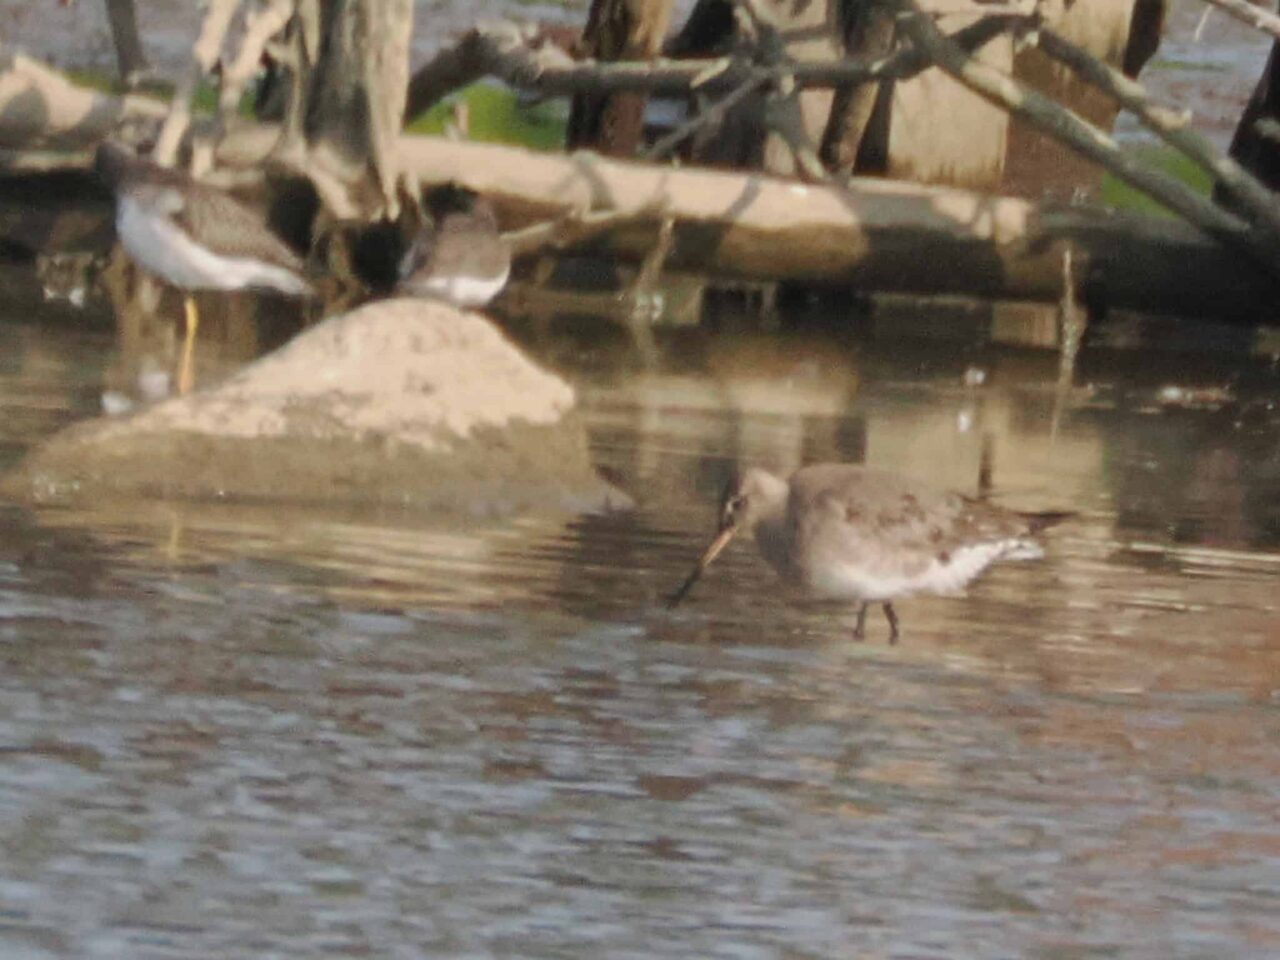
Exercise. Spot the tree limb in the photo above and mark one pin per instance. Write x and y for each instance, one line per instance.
(503, 50)
(1253, 197)
(204, 55)
(260, 26)
(1246, 12)
(1081, 136)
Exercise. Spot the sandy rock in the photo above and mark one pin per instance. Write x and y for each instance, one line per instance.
(400, 401)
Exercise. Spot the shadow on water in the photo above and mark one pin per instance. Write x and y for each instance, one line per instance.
(234, 730)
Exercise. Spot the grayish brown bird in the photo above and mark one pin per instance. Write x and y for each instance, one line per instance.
(193, 236)
(459, 256)
(866, 535)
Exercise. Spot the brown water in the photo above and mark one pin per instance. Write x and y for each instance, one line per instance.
(250, 732)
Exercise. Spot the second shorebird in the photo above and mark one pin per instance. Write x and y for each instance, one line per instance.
(865, 535)
(194, 237)
(459, 256)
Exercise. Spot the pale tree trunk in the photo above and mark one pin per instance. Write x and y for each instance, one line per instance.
(613, 123)
(353, 95)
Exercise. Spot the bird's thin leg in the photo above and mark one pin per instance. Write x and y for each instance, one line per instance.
(860, 629)
(891, 615)
(186, 367)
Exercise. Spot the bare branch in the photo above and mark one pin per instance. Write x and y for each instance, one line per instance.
(1254, 198)
(575, 227)
(260, 26)
(203, 57)
(1083, 137)
(503, 50)
(710, 116)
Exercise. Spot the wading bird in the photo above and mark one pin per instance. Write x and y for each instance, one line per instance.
(866, 535)
(194, 237)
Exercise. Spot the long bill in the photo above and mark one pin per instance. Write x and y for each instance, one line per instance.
(713, 550)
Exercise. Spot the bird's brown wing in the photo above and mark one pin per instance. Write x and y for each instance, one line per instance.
(888, 522)
(229, 228)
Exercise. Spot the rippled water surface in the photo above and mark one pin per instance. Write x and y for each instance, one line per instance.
(250, 732)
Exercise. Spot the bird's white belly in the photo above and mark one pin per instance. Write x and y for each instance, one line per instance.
(459, 289)
(859, 582)
(160, 248)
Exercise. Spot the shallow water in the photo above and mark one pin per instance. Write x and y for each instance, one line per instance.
(231, 731)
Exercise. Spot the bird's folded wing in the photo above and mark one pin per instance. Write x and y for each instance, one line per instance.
(227, 227)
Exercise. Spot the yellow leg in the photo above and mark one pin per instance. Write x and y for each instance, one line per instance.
(187, 366)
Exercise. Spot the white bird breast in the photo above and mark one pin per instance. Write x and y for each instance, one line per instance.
(459, 289)
(159, 247)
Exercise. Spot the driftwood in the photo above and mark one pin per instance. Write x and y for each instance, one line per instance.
(203, 57)
(42, 110)
(1246, 12)
(1251, 196)
(876, 235)
(617, 30)
(504, 51)
(1041, 111)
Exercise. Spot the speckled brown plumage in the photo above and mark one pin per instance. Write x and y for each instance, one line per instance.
(867, 535)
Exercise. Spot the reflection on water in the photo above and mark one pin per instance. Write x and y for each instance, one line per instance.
(236, 731)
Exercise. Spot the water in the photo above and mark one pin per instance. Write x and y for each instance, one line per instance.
(284, 732)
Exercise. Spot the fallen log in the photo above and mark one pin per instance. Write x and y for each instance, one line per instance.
(40, 109)
(873, 234)
(877, 235)
(869, 234)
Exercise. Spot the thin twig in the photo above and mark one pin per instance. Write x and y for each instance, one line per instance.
(260, 26)
(712, 116)
(782, 114)
(574, 228)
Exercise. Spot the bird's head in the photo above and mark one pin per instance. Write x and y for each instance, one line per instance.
(748, 498)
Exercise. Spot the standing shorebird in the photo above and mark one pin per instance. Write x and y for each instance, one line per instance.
(866, 535)
(194, 237)
(460, 256)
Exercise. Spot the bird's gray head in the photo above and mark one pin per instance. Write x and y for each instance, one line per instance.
(749, 498)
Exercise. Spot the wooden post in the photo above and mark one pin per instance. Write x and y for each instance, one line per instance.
(867, 30)
(613, 123)
(355, 95)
